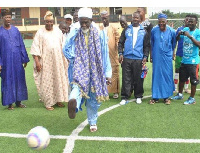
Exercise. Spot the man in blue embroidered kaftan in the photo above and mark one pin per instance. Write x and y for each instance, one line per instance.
(12, 57)
(163, 41)
(91, 69)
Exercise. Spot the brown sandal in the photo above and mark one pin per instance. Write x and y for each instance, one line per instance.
(50, 108)
(21, 106)
(10, 107)
(152, 102)
(167, 102)
(59, 104)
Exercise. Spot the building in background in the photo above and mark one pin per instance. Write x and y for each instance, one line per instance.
(30, 19)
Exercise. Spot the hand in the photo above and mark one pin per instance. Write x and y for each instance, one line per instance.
(108, 81)
(38, 67)
(174, 56)
(187, 34)
(0, 68)
(121, 59)
(151, 60)
(25, 64)
(179, 33)
(144, 61)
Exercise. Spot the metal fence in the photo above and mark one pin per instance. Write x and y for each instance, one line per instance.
(175, 23)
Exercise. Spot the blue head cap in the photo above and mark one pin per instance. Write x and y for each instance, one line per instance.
(161, 15)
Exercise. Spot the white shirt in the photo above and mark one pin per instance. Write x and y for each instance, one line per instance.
(135, 33)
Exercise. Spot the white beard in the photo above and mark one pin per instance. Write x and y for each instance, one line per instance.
(85, 30)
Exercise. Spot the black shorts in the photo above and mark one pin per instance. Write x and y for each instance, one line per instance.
(189, 70)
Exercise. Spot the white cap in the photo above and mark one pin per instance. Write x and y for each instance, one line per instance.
(85, 12)
(68, 16)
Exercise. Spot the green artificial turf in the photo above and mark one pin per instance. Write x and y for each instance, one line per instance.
(131, 120)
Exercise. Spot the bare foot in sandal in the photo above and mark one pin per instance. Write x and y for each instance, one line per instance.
(20, 105)
(93, 128)
(59, 104)
(116, 96)
(152, 101)
(50, 108)
(10, 107)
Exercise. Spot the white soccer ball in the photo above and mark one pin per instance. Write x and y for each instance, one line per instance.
(38, 138)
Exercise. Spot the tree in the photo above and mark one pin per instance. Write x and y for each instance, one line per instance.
(172, 15)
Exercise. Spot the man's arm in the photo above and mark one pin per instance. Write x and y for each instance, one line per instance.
(149, 36)
(195, 41)
(121, 46)
(121, 42)
(152, 43)
(146, 44)
(117, 36)
(68, 49)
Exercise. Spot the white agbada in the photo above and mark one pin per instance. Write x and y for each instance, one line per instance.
(52, 80)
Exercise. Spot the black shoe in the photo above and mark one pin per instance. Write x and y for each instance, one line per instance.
(72, 108)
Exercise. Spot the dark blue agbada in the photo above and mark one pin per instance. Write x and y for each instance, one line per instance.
(12, 56)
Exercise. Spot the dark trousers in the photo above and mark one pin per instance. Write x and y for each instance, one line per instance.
(131, 73)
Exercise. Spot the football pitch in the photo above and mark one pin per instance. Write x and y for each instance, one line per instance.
(130, 128)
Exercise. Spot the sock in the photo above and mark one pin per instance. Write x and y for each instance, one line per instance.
(187, 84)
(176, 76)
(180, 94)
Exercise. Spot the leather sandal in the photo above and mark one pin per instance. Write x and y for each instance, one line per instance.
(152, 102)
(116, 96)
(93, 128)
(59, 104)
(50, 108)
(21, 105)
(167, 102)
(10, 107)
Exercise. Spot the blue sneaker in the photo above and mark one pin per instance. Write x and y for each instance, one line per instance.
(177, 97)
(189, 101)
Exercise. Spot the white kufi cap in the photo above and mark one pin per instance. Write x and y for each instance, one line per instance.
(68, 16)
(85, 12)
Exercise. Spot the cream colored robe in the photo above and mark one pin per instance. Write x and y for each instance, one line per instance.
(113, 39)
(52, 80)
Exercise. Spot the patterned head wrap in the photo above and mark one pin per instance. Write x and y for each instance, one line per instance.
(48, 16)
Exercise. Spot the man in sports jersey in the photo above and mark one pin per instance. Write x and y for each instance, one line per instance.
(179, 55)
(190, 61)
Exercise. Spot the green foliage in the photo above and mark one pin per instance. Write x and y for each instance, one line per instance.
(172, 15)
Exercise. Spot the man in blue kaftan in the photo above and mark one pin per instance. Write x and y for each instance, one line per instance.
(91, 67)
(12, 57)
(163, 42)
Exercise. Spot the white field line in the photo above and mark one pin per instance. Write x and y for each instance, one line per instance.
(74, 135)
(119, 139)
(71, 142)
